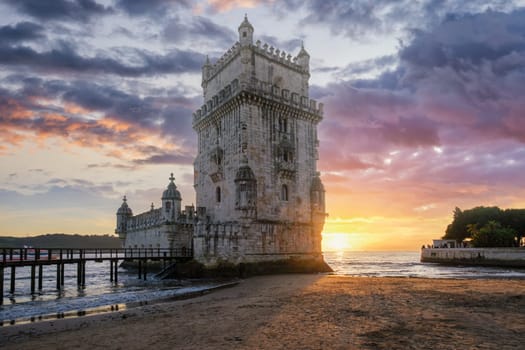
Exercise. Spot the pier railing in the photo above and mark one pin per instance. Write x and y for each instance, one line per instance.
(38, 258)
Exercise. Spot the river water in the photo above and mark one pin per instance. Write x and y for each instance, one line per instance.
(101, 295)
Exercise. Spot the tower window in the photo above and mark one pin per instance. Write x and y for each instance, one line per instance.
(218, 194)
(284, 193)
(244, 34)
(168, 206)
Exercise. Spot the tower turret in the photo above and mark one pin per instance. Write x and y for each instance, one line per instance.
(317, 201)
(123, 214)
(171, 201)
(206, 68)
(303, 58)
(246, 32)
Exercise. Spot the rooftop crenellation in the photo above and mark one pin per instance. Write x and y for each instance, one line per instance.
(262, 88)
(264, 49)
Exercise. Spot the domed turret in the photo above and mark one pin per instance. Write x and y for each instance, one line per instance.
(303, 58)
(171, 201)
(123, 214)
(317, 200)
(246, 32)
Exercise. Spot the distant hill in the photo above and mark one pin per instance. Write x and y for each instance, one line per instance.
(60, 240)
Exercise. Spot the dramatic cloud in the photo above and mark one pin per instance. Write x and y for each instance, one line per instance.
(65, 59)
(227, 5)
(198, 27)
(23, 31)
(97, 116)
(360, 19)
(69, 10)
(145, 7)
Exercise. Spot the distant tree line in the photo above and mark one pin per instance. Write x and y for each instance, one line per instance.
(61, 240)
(488, 226)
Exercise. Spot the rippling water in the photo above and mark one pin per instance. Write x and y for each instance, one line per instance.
(407, 264)
(99, 291)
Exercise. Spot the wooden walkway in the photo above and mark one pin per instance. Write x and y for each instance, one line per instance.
(38, 258)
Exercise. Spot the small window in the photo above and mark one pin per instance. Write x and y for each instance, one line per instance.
(244, 34)
(284, 193)
(168, 206)
(218, 194)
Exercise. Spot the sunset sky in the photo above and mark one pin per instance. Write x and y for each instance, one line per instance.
(424, 108)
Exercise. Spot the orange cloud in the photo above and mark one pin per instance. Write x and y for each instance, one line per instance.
(227, 5)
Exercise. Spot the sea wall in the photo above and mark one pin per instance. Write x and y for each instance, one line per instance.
(508, 257)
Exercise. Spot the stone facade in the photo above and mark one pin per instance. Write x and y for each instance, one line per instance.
(259, 195)
(165, 227)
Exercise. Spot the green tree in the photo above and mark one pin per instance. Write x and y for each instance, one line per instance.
(480, 216)
(515, 219)
(492, 234)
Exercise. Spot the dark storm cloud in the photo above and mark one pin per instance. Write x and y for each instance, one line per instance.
(367, 66)
(166, 158)
(358, 19)
(64, 58)
(458, 86)
(147, 7)
(69, 10)
(177, 30)
(23, 31)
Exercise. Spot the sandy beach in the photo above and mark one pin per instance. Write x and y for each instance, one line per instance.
(304, 312)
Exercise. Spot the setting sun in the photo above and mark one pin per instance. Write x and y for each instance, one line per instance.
(338, 242)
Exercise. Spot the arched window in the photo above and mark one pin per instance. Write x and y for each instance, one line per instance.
(218, 194)
(284, 193)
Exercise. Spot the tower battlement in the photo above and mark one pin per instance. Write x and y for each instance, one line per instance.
(261, 89)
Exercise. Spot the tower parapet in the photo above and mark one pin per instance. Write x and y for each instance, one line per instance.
(259, 90)
(256, 180)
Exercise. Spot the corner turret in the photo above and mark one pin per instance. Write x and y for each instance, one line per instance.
(246, 32)
(303, 58)
(206, 69)
(317, 201)
(171, 201)
(123, 214)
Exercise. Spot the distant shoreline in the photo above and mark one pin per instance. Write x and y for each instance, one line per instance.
(495, 257)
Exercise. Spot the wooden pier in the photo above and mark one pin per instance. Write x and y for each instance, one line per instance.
(35, 258)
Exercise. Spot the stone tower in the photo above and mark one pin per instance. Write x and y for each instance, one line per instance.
(259, 195)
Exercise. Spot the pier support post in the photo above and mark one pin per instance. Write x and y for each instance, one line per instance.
(140, 269)
(83, 273)
(40, 276)
(62, 274)
(33, 269)
(58, 276)
(13, 277)
(1, 285)
(111, 270)
(79, 274)
(115, 264)
(145, 268)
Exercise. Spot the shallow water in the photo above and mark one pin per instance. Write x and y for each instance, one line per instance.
(407, 264)
(100, 293)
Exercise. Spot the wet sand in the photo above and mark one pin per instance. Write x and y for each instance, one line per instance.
(304, 312)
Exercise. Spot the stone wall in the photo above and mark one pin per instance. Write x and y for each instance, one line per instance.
(475, 256)
(254, 242)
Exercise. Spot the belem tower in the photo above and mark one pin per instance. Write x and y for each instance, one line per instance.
(259, 196)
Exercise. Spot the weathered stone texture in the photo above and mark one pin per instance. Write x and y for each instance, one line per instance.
(259, 195)
(257, 116)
